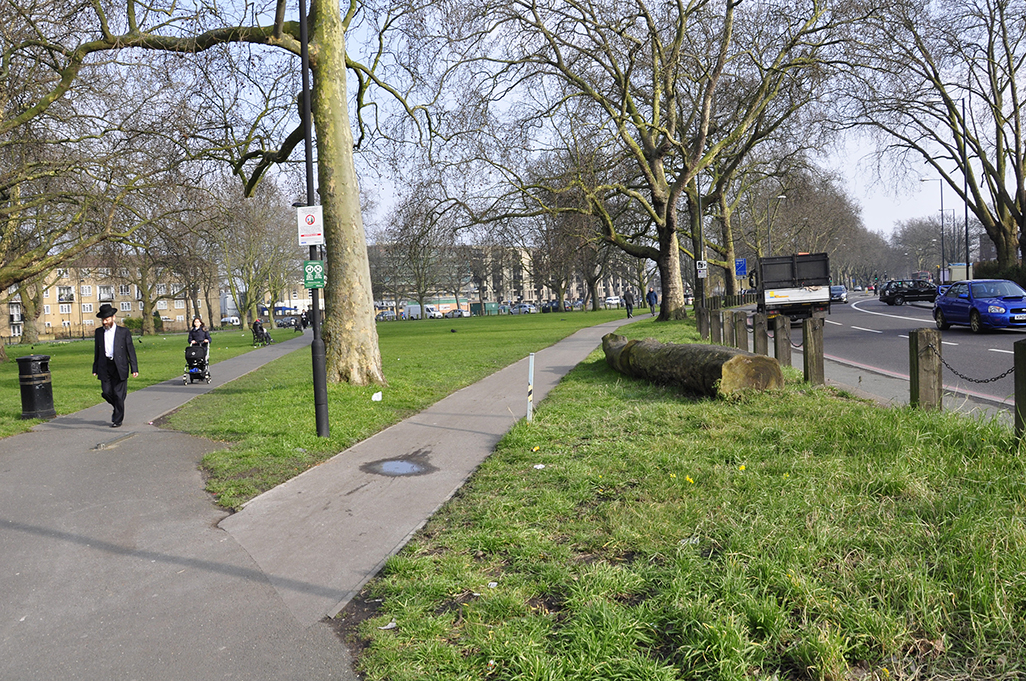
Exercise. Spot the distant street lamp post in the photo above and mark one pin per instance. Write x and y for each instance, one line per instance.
(769, 231)
(941, 181)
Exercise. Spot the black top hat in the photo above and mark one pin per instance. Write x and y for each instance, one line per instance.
(106, 310)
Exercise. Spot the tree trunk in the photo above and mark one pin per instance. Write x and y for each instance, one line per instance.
(350, 335)
(671, 302)
(703, 369)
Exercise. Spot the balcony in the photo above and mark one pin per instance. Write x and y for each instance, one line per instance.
(65, 297)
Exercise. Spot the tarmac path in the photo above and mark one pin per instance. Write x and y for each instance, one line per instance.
(115, 564)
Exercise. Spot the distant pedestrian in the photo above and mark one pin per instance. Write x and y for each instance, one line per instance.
(628, 302)
(113, 358)
(652, 299)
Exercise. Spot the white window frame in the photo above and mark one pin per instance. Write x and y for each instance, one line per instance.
(179, 304)
(126, 306)
(46, 309)
(161, 304)
(180, 318)
(87, 308)
(161, 289)
(125, 290)
(65, 308)
(106, 292)
(85, 290)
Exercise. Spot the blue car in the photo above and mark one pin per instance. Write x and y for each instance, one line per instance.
(981, 304)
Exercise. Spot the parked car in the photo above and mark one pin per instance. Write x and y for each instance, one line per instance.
(523, 308)
(453, 314)
(857, 288)
(385, 316)
(981, 304)
(898, 292)
(234, 321)
(838, 294)
(286, 322)
(612, 301)
(550, 306)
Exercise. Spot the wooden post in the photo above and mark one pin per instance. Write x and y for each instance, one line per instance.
(728, 329)
(924, 369)
(1020, 387)
(760, 339)
(741, 330)
(702, 316)
(716, 327)
(782, 339)
(812, 351)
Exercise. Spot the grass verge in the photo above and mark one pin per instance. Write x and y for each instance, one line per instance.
(268, 416)
(160, 356)
(631, 532)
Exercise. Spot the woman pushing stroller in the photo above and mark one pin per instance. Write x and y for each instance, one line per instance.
(197, 354)
(198, 334)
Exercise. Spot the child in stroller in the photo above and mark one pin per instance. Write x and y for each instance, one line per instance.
(197, 354)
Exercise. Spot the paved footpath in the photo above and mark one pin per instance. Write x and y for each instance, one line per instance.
(115, 564)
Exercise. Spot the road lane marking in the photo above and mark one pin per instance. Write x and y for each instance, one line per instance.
(1007, 352)
(884, 314)
(901, 335)
(829, 321)
(859, 328)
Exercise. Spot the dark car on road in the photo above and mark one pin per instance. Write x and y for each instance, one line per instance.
(838, 294)
(899, 292)
(981, 304)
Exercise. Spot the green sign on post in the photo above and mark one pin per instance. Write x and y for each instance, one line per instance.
(313, 274)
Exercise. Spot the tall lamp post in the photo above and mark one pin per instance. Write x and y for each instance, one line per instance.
(317, 349)
(941, 181)
(769, 231)
(964, 147)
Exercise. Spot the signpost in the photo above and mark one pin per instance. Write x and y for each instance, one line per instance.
(313, 274)
(310, 220)
(702, 267)
(741, 267)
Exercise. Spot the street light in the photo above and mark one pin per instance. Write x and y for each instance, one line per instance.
(769, 232)
(941, 181)
(965, 175)
(317, 349)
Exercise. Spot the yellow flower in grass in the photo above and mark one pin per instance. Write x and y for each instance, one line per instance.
(673, 475)
(741, 467)
(688, 478)
(535, 449)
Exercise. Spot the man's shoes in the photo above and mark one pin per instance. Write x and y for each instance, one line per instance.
(115, 425)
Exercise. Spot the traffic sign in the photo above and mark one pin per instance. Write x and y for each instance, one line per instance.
(741, 267)
(702, 268)
(313, 274)
(311, 225)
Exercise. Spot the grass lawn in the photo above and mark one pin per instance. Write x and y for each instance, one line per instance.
(160, 356)
(268, 415)
(632, 532)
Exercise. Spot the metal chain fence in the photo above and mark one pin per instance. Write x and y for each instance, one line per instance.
(955, 371)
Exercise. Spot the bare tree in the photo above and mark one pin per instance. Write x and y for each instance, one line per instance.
(942, 82)
(638, 82)
(60, 45)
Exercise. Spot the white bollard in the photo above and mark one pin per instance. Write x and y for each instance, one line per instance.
(530, 388)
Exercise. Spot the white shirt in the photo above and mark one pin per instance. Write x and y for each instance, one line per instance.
(108, 341)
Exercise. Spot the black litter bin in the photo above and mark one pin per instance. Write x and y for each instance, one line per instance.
(36, 390)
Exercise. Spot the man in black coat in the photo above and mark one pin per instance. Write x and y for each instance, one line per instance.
(113, 357)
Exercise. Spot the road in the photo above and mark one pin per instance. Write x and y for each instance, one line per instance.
(874, 335)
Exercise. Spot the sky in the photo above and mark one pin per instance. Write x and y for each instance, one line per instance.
(893, 198)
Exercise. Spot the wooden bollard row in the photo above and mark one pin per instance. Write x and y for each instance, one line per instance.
(926, 384)
(730, 328)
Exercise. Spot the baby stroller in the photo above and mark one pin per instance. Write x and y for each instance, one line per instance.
(197, 357)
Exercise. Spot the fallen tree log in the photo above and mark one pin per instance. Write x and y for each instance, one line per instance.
(702, 369)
